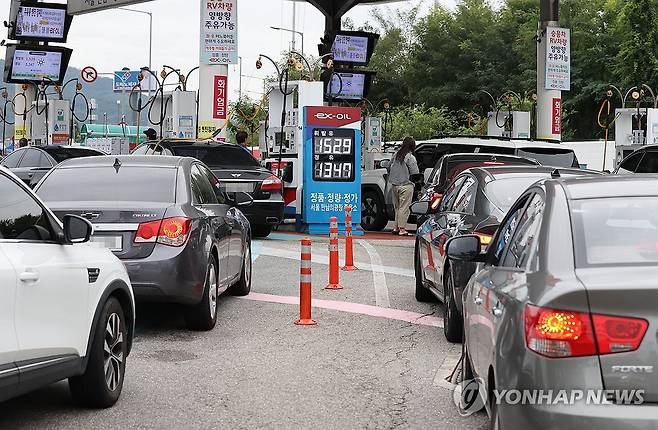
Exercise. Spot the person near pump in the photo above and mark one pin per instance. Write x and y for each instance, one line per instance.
(403, 166)
(151, 135)
(241, 137)
(22, 143)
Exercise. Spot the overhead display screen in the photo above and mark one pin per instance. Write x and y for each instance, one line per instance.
(41, 22)
(353, 86)
(36, 63)
(333, 155)
(350, 49)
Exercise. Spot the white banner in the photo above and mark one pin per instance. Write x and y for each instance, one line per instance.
(219, 32)
(78, 7)
(558, 59)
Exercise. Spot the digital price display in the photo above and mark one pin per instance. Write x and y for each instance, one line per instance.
(350, 49)
(41, 22)
(25, 63)
(333, 155)
(348, 86)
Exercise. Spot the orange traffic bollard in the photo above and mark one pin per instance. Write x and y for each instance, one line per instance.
(334, 280)
(305, 285)
(349, 250)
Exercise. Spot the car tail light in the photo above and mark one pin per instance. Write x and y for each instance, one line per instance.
(435, 201)
(169, 231)
(557, 333)
(272, 183)
(618, 334)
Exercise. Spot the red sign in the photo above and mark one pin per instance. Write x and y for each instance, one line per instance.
(557, 116)
(220, 97)
(332, 116)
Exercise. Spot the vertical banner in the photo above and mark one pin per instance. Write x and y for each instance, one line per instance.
(220, 97)
(219, 32)
(557, 116)
(558, 59)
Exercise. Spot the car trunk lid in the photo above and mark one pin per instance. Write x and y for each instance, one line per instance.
(632, 294)
(242, 180)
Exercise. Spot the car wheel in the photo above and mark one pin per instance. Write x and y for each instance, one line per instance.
(423, 294)
(243, 287)
(100, 386)
(453, 326)
(204, 315)
(373, 213)
(261, 231)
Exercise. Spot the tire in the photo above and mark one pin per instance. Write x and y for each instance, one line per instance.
(94, 388)
(203, 316)
(373, 212)
(243, 287)
(261, 231)
(453, 322)
(423, 294)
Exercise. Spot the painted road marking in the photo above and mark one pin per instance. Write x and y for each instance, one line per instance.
(378, 277)
(354, 308)
(324, 259)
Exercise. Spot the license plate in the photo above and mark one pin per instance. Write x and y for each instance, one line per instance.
(245, 187)
(113, 243)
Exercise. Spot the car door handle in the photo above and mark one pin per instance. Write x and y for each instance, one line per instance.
(478, 301)
(29, 277)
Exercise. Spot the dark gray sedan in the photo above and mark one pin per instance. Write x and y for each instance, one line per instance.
(566, 298)
(180, 236)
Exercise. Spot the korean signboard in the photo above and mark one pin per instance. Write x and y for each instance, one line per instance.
(558, 59)
(219, 31)
(220, 97)
(78, 7)
(44, 22)
(556, 117)
(126, 80)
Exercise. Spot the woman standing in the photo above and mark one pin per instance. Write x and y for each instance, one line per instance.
(403, 166)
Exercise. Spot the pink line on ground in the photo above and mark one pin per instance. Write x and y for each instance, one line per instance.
(354, 308)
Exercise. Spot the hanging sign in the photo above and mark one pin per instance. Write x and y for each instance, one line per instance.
(558, 59)
(220, 97)
(219, 32)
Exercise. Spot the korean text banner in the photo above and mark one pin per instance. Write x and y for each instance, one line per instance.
(219, 32)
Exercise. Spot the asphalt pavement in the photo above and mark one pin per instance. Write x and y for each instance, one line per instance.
(376, 358)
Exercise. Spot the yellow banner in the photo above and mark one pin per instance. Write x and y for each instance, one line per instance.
(20, 131)
(206, 129)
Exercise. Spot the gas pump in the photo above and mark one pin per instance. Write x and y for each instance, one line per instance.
(510, 123)
(637, 126)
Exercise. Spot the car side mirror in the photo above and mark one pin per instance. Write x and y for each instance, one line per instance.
(385, 164)
(464, 248)
(240, 199)
(77, 229)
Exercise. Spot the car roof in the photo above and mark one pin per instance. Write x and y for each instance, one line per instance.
(494, 141)
(126, 160)
(604, 186)
(495, 173)
(468, 156)
(168, 143)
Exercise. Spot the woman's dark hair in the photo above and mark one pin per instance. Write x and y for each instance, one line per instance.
(408, 145)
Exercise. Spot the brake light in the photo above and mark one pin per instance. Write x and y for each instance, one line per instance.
(272, 183)
(435, 201)
(169, 231)
(556, 333)
(618, 334)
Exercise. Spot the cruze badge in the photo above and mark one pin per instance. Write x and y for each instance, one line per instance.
(632, 369)
(338, 116)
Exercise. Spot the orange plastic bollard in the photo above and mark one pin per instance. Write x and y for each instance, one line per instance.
(349, 250)
(334, 277)
(305, 284)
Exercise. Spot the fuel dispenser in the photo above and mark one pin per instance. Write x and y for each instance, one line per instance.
(637, 126)
(514, 124)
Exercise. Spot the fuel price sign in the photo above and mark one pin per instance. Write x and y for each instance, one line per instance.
(333, 155)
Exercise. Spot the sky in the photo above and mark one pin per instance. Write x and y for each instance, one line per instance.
(111, 40)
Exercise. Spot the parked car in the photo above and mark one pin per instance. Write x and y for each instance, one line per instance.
(31, 163)
(474, 203)
(66, 307)
(377, 198)
(564, 298)
(238, 171)
(643, 160)
(181, 237)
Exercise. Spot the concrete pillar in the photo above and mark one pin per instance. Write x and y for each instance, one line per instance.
(23, 128)
(549, 102)
(207, 96)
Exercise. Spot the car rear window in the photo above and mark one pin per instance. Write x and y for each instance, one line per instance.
(502, 193)
(218, 156)
(454, 168)
(615, 231)
(92, 184)
(553, 157)
(63, 154)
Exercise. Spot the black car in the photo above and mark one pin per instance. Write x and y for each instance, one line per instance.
(238, 171)
(179, 235)
(474, 203)
(644, 160)
(32, 163)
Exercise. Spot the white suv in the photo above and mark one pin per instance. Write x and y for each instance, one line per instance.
(66, 308)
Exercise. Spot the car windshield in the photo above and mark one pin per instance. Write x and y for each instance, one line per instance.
(63, 154)
(95, 184)
(616, 231)
(502, 193)
(218, 156)
(553, 157)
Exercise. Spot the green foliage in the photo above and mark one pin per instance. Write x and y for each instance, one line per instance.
(246, 115)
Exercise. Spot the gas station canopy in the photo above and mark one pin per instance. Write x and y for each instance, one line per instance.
(333, 10)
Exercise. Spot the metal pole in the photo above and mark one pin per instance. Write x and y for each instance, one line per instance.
(549, 102)
(240, 87)
(150, 50)
(294, 23)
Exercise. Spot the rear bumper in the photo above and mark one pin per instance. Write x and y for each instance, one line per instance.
(264, 212)
(580, 416)
(173, 275)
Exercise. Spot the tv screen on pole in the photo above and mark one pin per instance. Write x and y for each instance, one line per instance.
(347, 86)
(25, 63)
(353, 47)
(34, 21)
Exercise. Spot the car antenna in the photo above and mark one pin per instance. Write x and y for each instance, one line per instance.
(117, 164)
(556, 174)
